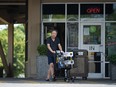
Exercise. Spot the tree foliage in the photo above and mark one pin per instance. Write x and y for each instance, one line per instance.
(19, 48)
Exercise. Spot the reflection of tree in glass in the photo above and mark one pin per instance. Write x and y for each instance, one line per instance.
(110, 38)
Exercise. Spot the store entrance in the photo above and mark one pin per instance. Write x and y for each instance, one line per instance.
(90, 36)
(93, 39)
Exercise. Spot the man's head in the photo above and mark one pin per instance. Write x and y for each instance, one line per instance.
(54, 34)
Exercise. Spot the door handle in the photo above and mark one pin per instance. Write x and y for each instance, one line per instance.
(96, 61)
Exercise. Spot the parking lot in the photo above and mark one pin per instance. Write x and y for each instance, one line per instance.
(59, 83)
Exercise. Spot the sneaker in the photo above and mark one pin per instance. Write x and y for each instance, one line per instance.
(47, 80)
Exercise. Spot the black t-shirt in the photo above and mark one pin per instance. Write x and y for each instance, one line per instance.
(53, 45)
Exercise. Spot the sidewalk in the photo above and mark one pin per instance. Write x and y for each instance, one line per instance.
(59, 83)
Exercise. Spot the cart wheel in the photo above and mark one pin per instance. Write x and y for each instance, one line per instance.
(73, 80)
(84, 78)
(67, 80)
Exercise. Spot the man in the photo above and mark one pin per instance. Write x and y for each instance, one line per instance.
(53, 43)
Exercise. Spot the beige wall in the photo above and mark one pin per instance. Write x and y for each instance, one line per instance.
(33, 36)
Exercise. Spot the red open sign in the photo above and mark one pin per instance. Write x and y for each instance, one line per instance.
(93, 10)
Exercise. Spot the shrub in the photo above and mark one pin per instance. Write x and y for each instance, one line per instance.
(112, 59)
(42, 49)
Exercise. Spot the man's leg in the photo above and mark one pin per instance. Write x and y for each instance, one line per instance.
(49, 70)
(49, 73)
(52, 69)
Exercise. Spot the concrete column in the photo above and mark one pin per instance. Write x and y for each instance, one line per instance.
(33, 36)
(10, 47)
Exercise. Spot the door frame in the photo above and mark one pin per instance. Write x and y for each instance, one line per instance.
(101, 49)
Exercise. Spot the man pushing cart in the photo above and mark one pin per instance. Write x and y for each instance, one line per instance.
(63, 59)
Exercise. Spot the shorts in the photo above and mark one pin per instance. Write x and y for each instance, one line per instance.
(50, 59)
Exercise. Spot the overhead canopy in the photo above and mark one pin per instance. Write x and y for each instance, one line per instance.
(12, 11)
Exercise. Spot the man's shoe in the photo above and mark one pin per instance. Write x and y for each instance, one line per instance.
(47, 80)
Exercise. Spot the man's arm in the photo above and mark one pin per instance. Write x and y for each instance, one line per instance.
(60, 47)
(49, 48)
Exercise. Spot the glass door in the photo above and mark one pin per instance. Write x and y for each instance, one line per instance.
(92, 38)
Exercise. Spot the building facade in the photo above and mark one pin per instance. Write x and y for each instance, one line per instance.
(81, 24)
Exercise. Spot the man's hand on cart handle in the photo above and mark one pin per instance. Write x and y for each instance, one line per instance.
(53, 52)
(62, 51)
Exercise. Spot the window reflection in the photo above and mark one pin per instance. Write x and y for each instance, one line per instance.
(110, 39)
(110, 12)
(72, 12)
(53, 12)
(72, 34)
(92, 34)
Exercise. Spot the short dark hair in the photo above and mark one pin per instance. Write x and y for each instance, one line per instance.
(54, 30)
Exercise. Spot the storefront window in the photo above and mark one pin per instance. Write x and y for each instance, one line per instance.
(111, 12)
(92, 34)
(110, 39)
(72, 12)
(91, 10)
(72, 35)
(53, 12)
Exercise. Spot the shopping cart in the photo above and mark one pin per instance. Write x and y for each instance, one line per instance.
(64, 60)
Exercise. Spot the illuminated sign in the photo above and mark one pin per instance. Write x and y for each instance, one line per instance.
(91, 8)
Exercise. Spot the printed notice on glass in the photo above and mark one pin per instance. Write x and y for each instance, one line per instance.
(86, 31)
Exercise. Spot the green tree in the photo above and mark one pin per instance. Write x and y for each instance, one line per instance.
(19, 48)
(4, 42)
